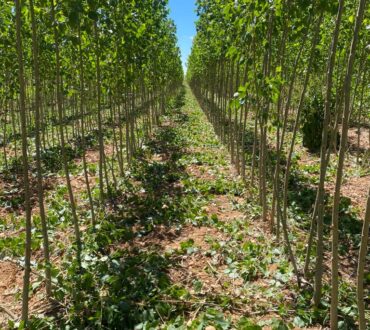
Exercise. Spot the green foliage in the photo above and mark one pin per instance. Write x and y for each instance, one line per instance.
(312, 123)
(246, 324)
(52, 157)
(14, 166)
(123, 284)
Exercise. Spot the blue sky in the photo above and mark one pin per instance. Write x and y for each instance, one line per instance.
(183, 13)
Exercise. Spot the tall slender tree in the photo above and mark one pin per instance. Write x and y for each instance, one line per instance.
(340, 167)
(26, 183)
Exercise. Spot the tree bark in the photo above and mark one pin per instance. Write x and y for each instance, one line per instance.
(339, 176)
(62, 138)
(40, 189)
(324, 164)
(361, 266)
(26, 184)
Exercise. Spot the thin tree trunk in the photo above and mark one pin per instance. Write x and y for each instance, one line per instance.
(62, 138)
(361, 266)
(100, 128)
(358, 152)
(38, 153)
(284, 218)
(339, 177)
(323, 164)
(82, 107)
(26, 184)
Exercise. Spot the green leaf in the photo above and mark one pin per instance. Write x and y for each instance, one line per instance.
(299, 322)
(246, 324)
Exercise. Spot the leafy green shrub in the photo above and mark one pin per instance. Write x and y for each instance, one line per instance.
(90, 141)
(312, 123)
(15, 165)
(52, 157)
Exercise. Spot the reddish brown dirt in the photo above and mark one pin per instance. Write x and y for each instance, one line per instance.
(11, 278)
(169, 238)
(93, 155)
(11, 281)
(195, 266)
(355, 188)
(225, 208)
(11, 233)
(13, 189)
(203, 172)
(78, 183)
(364, 139)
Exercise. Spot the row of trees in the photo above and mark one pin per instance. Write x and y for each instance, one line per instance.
(75, 70)
(256, 66)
